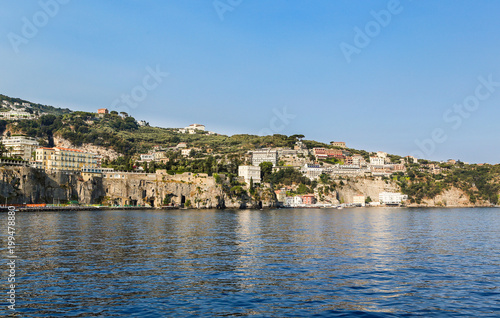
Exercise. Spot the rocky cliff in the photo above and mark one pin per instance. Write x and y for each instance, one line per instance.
(20, 185)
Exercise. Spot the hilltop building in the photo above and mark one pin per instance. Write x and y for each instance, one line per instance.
(340, 144)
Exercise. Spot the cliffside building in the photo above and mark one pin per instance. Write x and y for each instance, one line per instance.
(249, 172)
(20, 146)
(390, 198)
(65, 159)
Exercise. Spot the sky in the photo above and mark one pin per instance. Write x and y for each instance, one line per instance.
(406, 77)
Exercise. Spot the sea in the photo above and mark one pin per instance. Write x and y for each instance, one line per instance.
(359, 262)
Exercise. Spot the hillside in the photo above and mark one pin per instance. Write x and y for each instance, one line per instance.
(422, 182)
(34, 108)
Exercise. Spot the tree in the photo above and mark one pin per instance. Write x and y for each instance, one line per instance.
(252, 190)
(302, 189)
(266, 169)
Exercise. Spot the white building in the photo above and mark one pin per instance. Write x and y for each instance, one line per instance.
(293, 201)
(14, 114)
(312, 171)
(191, 129)
(358, 200)
(249, 172)
(377, 161)
(358, 160)
(20, 146)
(391, 198)
(186, 152)
(264, 155)
(147, 157)
(297, 200)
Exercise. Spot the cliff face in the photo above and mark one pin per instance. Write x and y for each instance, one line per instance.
(365, 186)
(26, 185)
(20, 185)
(451, 198)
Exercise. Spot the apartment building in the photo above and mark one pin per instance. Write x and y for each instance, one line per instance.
(322, 153)
(264, 155)
(20, 146)
(65, 159)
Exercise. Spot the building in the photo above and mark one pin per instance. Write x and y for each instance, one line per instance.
(390, 198)
(191, 129)
(340, 144)
(381, 154)
(20, 146)
(281, 196)
(377, 161)
(312, 171)
(65, 159)
(16, 115)
(322, 153)
(356, 160)
(147, 157)
(102, 111)
(411, 159)
(158, 155)
(89, 173)
(358, 200)
(283, 152)
(308, 199)
(293, 201)
(181, 145)
(186, 152)
(249, 173)
(142, 123)
(264, 155)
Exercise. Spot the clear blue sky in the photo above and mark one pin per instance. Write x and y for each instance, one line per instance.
(234, 74)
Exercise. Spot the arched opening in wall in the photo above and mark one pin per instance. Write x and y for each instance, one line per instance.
(183, 200)
(152, 202)
(132, 202)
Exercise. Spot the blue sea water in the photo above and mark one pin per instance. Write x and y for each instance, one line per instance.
(366, 262)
